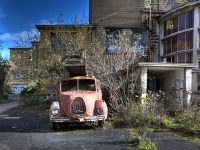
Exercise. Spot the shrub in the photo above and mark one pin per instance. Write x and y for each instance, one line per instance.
(146, 144)
(35, 99)
(149, 114)
(189, 119)
(29, 91)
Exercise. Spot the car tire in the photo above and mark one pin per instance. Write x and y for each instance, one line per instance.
(100, 123)
(55, 126)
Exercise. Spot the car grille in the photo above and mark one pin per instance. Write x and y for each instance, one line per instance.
(78, 106)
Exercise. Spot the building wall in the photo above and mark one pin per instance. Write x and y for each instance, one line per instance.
(17, 77)
(120, 13)
(180, 44)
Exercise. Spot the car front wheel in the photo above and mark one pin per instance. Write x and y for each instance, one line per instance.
(55, 126)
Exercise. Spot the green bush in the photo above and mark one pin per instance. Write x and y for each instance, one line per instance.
(34, 100)
(7, 89)
(29, 91)
(149, 114)
(146, 144)
(189, 119)
(137, 116)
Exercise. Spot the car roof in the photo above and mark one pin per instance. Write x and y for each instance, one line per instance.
(78, 78)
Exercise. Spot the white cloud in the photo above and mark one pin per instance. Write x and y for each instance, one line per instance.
(2, 15)
(7, 37)
(24, 35)
(21, 39)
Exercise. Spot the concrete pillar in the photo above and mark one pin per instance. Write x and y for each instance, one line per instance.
(196, 35)
(188, 86)
(143, 84)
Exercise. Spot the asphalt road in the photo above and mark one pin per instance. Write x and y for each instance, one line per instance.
(28, 129)
(13, 104)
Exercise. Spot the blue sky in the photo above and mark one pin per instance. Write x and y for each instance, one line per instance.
(17, 17)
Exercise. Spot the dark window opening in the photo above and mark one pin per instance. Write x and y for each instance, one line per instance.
(139, 39)
(112, 40)
(87, 85)
(178, 23)
(69, 85)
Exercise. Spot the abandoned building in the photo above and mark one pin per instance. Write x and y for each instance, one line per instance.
(168, 32)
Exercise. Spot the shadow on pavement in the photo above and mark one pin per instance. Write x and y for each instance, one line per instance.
(20, 120)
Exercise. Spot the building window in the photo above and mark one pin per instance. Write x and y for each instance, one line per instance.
(181, 21)
(174, 44)
(189, 40)
(112, 40)
(198, 81)
(183, 41)
(139, 41)
(180, 58)
(189, 57)
(189, 19)
(178, 23)
(175, 24)
(169, 45)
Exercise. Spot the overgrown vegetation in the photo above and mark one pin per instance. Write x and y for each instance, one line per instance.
(117, 68)
(136, 115)
(139, 141)
(3, 72)
(187, 121)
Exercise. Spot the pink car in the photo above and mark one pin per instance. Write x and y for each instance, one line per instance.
(79, 100)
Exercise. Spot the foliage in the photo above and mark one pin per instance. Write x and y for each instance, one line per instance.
(29, 91)
(37, 99)
(139, 141)
(3, 70)
(169, 24)
(147, 4)
(7, 89)
(181, 1)
(116, 67)
(136, 115)
(117, 71)
(189, 119)
(146, 144)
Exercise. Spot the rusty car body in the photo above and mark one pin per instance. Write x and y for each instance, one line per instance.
(78, 100)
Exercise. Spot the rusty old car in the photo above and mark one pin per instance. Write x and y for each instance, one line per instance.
(78, 100)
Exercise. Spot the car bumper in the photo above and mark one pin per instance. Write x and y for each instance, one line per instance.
(77, 119)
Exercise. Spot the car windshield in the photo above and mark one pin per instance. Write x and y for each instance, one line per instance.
(69, 85)
(87, 85)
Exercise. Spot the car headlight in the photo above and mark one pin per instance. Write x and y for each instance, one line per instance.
(99, 111)
(55, 111)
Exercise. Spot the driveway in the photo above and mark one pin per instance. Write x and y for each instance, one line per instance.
(6, 106)
(28, 129)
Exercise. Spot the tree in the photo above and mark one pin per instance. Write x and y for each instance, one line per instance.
(3, 70)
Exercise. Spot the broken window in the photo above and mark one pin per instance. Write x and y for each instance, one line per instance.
(139, 39)
(112, 40)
